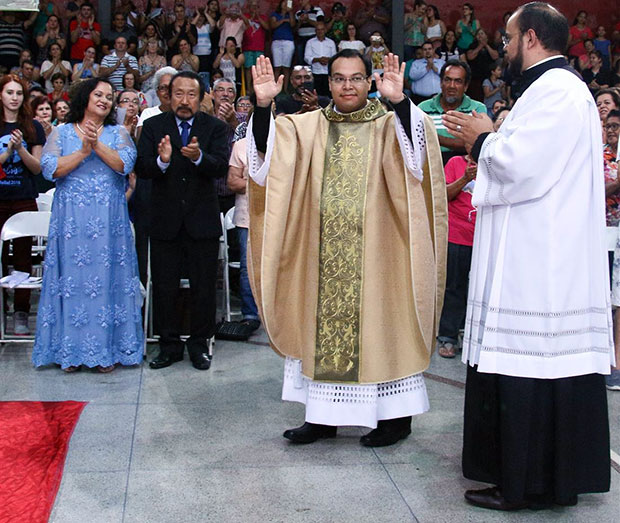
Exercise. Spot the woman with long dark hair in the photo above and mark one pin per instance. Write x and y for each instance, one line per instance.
(435, 28)
(448, 49)
(466, 28)
(89, 313)
(21, 141)
(578, 34)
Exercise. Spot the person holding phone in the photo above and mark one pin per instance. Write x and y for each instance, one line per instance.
(303, 96)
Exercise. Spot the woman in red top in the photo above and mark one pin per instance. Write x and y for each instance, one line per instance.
(577, 34)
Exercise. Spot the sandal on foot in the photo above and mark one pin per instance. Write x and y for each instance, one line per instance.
(105, 370)
(446, 349)
(73, 368)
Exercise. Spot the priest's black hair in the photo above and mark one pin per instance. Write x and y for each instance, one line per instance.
(350, 53)
(550, 26)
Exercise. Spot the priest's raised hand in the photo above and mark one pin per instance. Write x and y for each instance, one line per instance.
(266, 87)
(391, 84)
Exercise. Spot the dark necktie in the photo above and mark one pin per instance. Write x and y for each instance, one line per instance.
(185, 127)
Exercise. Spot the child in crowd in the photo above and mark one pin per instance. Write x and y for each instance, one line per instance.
(493, 87)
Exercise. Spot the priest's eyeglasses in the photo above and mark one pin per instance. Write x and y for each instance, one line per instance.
(342, 80)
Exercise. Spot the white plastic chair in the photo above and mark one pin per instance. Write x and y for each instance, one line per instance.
(44, 201)
(22, 224)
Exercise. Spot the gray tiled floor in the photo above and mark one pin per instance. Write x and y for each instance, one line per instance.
(179, 445)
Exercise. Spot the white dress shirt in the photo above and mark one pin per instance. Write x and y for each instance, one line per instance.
(316, 48)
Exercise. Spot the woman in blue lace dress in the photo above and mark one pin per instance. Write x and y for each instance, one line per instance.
(89, 313)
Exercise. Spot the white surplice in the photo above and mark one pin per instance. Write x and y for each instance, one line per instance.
(339, 403)
(538, 303)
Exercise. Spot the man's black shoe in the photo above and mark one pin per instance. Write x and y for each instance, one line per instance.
(387, 432)
(492, 498)
(165, 360)
(201, 360)
(310, 432)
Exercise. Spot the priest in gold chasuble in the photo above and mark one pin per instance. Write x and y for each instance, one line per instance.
(348, 232)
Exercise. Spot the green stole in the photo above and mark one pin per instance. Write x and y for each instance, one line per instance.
(343, 207)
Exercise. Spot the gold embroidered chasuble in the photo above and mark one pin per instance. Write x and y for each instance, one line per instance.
(347, 249)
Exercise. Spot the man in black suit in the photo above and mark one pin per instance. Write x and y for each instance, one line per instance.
(183, 151)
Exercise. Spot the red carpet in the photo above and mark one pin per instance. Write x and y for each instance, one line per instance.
(34, 438)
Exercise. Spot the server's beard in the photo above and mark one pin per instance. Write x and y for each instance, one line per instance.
(515, 66)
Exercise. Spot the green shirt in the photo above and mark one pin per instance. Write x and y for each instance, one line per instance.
(433, 108)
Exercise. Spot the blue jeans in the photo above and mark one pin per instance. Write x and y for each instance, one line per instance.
(248, 305)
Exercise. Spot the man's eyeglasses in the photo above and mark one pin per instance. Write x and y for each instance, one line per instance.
(244, 106)
(229, 90)
(133, 101)
(505, 40)
(355, 80)
(612, 127)
(163, 88)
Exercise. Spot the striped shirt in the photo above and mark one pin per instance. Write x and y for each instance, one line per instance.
(116, 78)
(11, 38)
(433, 108)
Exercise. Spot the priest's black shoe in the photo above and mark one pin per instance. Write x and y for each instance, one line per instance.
(310, 432)
(492, 498)
(165, 360)
(388, 432)
(201, 360)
